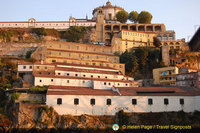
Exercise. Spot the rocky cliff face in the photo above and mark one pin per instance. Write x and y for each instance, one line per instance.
(41, 116)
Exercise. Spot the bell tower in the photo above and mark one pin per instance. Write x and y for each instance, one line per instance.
(99, 25)
(100, 16)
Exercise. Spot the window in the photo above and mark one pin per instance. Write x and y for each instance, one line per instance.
(83, 75)
(58, 73)
(30, 67)
(51, 80)
(53, 60)
(76, 101)
(110, 16)
(67, 74)
(83, 81)
(67, 81)
(40, 80)
(45, 68)
(76, 75)
(181, 101)
(24, 67)
(126, 84)
(104, 83)
(38, 67)
(166, 101)
(91, 76)
(106, 77)
(108, 102)
(109, 83)
(40, 73)
(59, 101)
(98, 76)
(134, 101)
(150, 101)
(92, 101)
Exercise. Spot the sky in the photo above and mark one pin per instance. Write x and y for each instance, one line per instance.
(182, 16)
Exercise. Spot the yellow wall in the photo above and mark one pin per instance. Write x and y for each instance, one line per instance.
(117, 66)
(133, 39)
(165, 75)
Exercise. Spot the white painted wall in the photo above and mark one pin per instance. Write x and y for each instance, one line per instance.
(109, 85)
(28, 68)
(88, 75)
(47, 25)
(119, 103)
(77, 82)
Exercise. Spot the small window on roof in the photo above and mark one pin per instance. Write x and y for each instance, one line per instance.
(166, 101)
(59, 101)
(134, 101)
(108, 102)
(150, 101)
(24, 67)
(76, 101)
(92, 101)
(181, 101)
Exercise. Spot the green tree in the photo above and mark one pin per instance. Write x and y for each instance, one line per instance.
(133, 16)
(28, 54)
(145, 17)
(75, 33)
(39, 31)
(156, 42)
(135, 63)
(122, 16)
(130, 60)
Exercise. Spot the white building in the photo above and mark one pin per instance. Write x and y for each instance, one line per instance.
(94, 90)
(83, 100)
(58, 25)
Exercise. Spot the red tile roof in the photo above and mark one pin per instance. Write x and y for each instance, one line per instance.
(82, 65)
(67, 90)
(156, 91)
(86, 70)
(125, 91)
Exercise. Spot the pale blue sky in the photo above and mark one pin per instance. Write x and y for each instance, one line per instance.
(178, 15)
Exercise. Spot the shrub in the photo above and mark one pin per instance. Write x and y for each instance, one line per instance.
(15, 96)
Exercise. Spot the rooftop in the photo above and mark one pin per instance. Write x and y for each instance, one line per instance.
(124, 91)
(86, 70)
